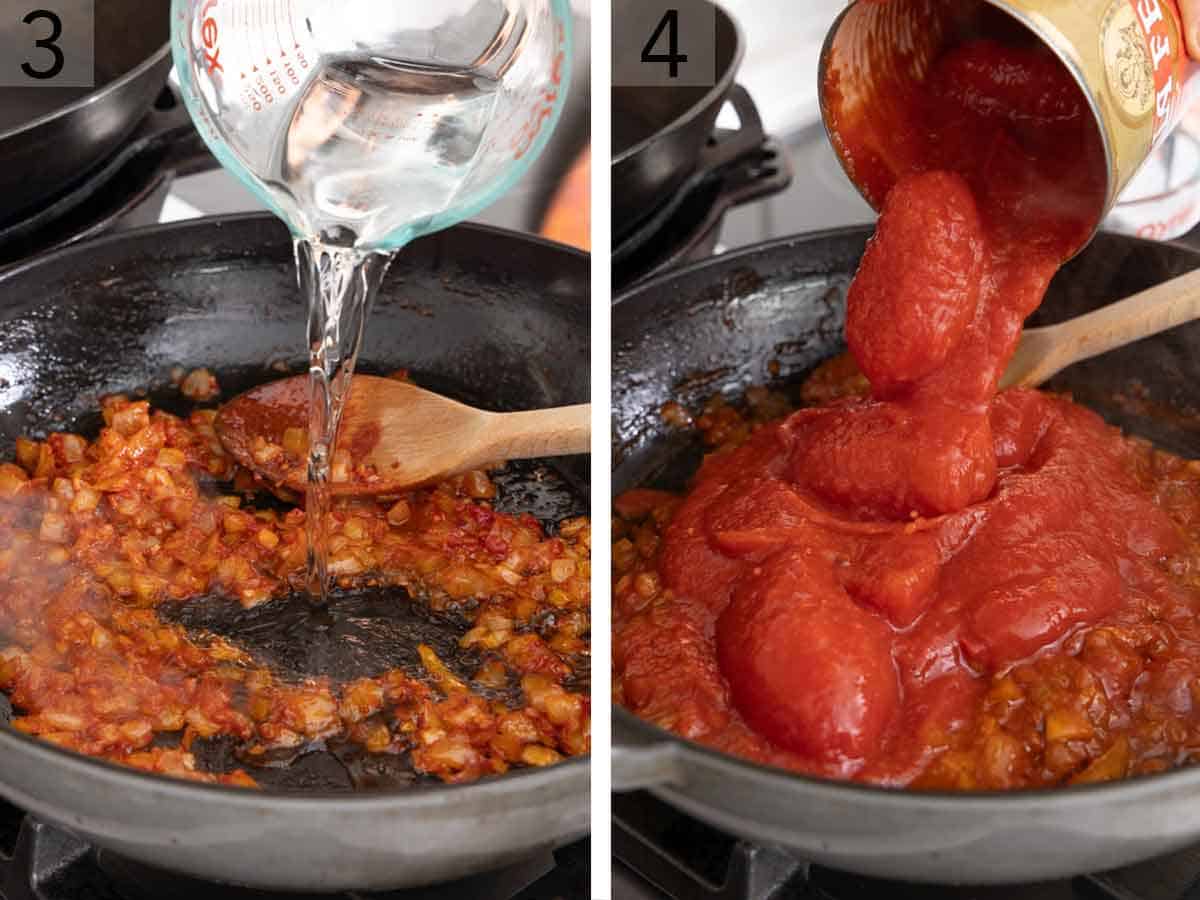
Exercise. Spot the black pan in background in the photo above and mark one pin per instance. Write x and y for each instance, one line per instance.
(660, 132)
(716, 327)
(735, 167)
(126, 190)
(50, 137)
(484, 315)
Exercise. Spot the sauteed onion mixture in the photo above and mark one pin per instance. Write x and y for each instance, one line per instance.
(96, 537)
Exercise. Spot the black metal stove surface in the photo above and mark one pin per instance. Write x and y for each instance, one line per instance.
(661, 854)
(40, 862)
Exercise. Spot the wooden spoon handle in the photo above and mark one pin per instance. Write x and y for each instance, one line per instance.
(1149, 312)
(563, 431)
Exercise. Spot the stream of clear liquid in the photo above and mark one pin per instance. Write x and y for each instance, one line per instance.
(339, 284)
(369, 148)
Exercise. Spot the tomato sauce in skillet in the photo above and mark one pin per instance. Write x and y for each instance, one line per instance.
(932, 585)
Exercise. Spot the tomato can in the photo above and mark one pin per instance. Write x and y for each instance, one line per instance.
(1127, 56)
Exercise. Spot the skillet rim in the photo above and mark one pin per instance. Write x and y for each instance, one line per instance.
(255, 218)
(95, 96)
(1132, 789)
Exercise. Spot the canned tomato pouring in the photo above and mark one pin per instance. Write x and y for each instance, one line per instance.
(1128, 60)
(911, 581)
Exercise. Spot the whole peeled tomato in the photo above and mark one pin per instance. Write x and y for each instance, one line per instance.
(918, 285)
(808, 668)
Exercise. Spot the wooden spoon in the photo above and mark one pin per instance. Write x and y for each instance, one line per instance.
(398, 435)
(1044, 352)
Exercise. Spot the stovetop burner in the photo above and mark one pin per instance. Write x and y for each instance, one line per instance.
(40, 862)
(661, 854)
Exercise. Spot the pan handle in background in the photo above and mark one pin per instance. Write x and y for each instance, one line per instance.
(766, 167)
(726, 146)
(750, 165)
(170, 128)
(764, 172)
(639, 761)
(768, 172)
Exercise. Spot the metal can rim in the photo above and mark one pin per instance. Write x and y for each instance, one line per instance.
(1069, 63)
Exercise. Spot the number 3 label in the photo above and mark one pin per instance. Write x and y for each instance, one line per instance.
(664, 43)
(50, 43)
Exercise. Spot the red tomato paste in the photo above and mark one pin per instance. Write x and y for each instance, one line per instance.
(844, 592)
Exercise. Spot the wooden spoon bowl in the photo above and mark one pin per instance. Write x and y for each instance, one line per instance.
(394, 435)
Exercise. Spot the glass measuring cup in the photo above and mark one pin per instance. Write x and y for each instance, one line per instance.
(364, 125)
(368, 124)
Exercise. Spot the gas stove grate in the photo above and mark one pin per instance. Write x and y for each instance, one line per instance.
(662, 854)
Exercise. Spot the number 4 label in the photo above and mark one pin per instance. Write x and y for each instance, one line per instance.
(670, 25)
(48, 43)
(665, 43)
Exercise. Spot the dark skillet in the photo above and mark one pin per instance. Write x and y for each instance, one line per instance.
(488, 316)
(716, 327)
(51, 137)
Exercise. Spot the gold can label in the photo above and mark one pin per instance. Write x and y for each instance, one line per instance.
(1127, 64)
(1140, 45)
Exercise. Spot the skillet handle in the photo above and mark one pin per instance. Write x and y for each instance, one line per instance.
(764, 167)
(639, 761)
(767, 171)
(746, 165)
(170, 128)
(727, 146)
